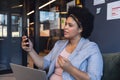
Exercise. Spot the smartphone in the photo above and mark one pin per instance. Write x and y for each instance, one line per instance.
(26, 34)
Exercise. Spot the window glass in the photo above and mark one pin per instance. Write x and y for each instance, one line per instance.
(49, 21)
(16, 25)
(3, 25)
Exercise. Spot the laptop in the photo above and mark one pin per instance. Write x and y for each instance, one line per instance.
(25, 73)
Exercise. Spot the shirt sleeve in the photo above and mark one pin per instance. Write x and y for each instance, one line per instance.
(47, 58)
(95, 64)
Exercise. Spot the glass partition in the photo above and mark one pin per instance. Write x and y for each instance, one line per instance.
(50, 30)
(3, 25)
(16, 25)
(49, 23)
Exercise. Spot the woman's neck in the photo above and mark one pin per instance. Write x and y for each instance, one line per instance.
(74, 42)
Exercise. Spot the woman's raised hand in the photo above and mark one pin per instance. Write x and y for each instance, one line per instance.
(26, 44)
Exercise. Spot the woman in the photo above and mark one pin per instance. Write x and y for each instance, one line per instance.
(75, 58)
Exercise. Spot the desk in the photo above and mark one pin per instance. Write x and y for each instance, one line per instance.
(7, 77)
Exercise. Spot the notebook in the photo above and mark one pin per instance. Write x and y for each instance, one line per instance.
(25, 73)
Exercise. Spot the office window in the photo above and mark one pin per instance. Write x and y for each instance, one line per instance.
(3, 25)
(16, 25)
(49, 21)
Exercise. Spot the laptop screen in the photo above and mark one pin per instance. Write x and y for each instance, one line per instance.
(26, 73)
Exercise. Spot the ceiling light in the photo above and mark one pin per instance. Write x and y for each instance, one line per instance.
(41, 6)
(30, 12)
(17, 6)
(47, 4)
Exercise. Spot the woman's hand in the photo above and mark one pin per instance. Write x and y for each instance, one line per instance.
(64, 63)
(68, 67)
(26, 45)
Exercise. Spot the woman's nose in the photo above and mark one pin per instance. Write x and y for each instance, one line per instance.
(66, 26)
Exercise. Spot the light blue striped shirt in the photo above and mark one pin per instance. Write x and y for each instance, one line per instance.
(86, 57)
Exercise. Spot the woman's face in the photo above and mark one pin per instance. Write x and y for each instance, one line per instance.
(71, 29)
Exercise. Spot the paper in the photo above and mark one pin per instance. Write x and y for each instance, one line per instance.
(96, 2)
(1, 32)
(15, 34)
(5, 31)
(113, 10)
(98, 10)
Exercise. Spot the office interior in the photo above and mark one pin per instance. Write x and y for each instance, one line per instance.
(45, 24)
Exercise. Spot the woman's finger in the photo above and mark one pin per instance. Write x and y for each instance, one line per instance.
(25, 43)
(61, 61)
(65, 59)
(24, 39)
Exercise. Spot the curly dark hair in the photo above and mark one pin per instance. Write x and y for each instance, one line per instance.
(83, 18)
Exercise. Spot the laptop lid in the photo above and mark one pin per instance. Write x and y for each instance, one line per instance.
(26, 73)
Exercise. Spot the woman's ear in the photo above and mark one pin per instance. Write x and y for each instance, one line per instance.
(80, 30)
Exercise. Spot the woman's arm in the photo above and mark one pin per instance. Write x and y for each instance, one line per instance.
(78, 74)
(38, 60)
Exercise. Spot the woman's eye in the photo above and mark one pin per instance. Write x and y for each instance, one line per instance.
(70, 25)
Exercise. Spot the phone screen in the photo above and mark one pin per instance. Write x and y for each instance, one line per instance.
(26, 33)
